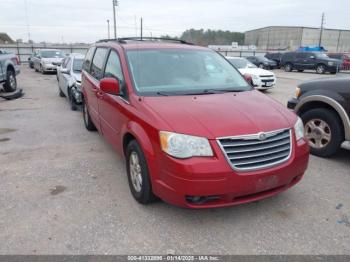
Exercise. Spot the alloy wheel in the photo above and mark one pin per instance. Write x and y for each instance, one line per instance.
(135, 171)
(318, 133)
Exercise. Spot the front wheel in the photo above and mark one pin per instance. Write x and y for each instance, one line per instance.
(321, 69)
(73, 105)
(323, 130)
(87, 119)
(288, 67)
(11, 82)
(138, 175)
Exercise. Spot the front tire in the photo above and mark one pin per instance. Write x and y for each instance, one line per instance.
(321, 69)
(288, 67)
(87, 119)
(11, 82)
(323, 130)
(138, 174)
(71, 99)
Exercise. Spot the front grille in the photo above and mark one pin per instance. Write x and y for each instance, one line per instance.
(249, 152)
(266, 76)
(56, 63)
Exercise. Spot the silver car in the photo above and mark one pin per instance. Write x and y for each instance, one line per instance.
(69, 79)
(47, 60)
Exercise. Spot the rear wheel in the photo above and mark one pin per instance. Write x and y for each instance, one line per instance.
(323, 130)
(138, 175)
(87, 119)
(288, 67)
(11, 82)
(321, 69)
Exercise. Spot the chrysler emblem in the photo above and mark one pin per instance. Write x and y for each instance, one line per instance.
(262, 136)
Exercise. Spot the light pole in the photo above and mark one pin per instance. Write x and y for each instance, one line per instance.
(109, 32)
(115, 3)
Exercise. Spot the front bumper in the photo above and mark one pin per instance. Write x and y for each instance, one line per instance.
(49, 68)
(263, 84)
(214, 179)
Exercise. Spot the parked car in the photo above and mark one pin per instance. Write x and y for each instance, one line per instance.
(275, 57)
(262, 62)
(309, 61)
(47, 60)
(69, 79)
(192, 130)
(9, 69)
(261, 78)
(343, 57)
(324, 106)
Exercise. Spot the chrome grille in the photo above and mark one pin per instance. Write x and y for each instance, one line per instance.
(262, 150)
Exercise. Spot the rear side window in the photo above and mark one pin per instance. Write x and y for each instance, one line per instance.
(97, 63)
(88, 58)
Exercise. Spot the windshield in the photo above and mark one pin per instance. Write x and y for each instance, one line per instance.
(241, 63)
(181, 72)
(51, 54)
(78, 65)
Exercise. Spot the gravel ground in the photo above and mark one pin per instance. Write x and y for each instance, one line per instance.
(64, 190)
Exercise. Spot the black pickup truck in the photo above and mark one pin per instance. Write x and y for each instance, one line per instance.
(324, 106)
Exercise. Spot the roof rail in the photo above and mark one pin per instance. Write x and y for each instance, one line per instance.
(125, 39)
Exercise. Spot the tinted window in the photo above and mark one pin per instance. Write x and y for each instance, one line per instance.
(113, 67)
(302, 55)
(97, 63)
(88, 58)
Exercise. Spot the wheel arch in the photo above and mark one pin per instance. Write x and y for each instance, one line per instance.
(10, 67)
(317, 101)
(134, 131)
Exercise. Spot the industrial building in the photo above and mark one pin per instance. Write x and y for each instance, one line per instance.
(292, 37)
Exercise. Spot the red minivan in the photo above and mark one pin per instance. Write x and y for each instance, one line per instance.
(193, 131)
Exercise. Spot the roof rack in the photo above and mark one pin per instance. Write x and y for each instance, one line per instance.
(125, 40)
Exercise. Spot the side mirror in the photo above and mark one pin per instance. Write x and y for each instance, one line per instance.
(110, 85)
(64, 71)
(248, 78)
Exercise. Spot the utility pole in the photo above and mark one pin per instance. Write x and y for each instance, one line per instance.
(141, 28)
(321, 31)
(115, 3)
(109, 31)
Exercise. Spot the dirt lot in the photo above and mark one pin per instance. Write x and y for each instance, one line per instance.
(63, 190)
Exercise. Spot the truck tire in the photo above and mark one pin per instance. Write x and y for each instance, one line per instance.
(323, 130)
(11, 82)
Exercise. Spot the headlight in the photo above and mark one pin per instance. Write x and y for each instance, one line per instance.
(255, 77)
(299, 129)
(330, 63)
(297, 92)
(184, 146)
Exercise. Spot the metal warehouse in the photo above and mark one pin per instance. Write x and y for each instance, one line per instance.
(292, 37)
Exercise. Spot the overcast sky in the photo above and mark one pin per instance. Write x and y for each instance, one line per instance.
(86, 20)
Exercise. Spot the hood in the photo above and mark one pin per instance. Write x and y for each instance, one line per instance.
(255, 71)
(52, 59)
(220, 115)
(77, 76)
